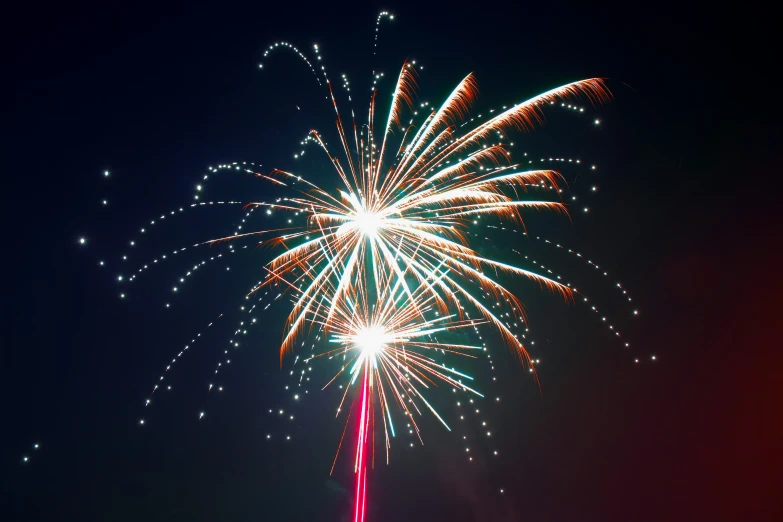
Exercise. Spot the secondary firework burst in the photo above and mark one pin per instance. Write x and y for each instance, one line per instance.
(402, 214)
(388, 348)
(392, 341)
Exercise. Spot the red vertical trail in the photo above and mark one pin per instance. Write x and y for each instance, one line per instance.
(360, 467)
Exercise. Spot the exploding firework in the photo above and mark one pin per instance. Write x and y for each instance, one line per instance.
(386, 267)
(396, 231)
(403, 215)
(396, 344)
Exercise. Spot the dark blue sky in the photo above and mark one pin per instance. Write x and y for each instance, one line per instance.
(686, 217)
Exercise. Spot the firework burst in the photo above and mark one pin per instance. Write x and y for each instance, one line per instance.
(395, 343)
(387, 349)
(385, 266)
(390, 246)
(402, 216)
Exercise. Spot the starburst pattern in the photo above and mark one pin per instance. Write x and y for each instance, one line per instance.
(387, 268)
(404, 217)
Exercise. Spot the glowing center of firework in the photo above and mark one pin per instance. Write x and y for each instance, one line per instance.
(368, 223)
(371, 341)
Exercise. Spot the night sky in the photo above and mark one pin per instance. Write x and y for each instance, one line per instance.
(687, 217)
